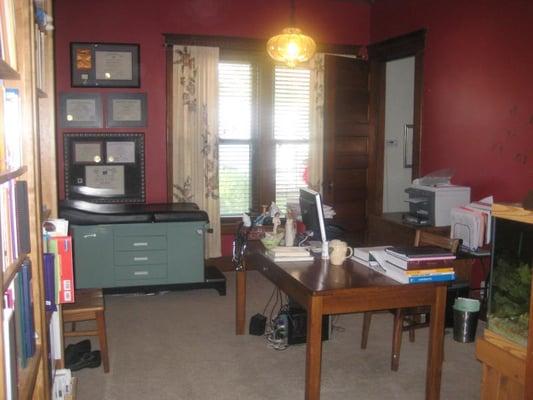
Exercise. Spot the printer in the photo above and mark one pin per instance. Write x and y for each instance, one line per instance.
(431, 205)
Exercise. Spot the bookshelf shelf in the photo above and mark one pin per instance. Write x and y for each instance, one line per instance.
(27, 71)
(8, 175)
(28, 375)
(12, 270)
(7, 72)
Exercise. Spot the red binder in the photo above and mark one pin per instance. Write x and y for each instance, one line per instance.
(64, 250)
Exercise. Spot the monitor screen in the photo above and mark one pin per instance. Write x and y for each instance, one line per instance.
(312, 213)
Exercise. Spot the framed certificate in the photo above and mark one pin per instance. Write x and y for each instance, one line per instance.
(126, 110)
(81, 110)
(104, 167)
(104, 65)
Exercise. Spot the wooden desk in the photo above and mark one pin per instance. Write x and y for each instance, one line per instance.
(390, 229)
(323, 289)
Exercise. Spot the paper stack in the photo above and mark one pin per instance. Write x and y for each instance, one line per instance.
(472, 223)
(281, 254)
(413, 264)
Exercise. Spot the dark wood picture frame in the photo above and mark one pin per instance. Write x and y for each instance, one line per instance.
(76, 109)
(130, 116)
(127, 163)
(105, 65)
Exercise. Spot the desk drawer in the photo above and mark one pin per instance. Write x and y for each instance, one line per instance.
(140, 272)
(134, 243)
(141, 257)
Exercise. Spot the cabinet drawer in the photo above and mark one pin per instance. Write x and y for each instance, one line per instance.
(131, 272)
(129, 243)
(141, 257)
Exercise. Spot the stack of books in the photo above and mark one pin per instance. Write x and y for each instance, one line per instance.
(419, 264)
(281, 254)
(409, 264)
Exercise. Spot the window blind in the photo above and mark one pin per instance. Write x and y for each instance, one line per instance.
(291, 131)
(235, 128)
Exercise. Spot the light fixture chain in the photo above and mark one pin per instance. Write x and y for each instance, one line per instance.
(292, 17)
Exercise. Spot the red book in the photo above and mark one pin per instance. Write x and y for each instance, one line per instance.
(64, 250)
(421, 264)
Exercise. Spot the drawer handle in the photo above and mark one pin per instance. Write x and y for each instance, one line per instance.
(138, 244)
(90, 235)
(139, 273)
(140, 258)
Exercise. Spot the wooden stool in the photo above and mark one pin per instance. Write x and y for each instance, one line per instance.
(89, 305)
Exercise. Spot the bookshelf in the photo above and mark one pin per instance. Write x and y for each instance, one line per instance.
(26, 69)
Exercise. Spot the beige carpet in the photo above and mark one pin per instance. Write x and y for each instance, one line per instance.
(181, 345)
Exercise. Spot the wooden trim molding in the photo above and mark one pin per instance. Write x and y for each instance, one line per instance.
(169, 83)
(248, 44)
(411, 44)
(398, 47)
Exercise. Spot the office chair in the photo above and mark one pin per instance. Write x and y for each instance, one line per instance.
(411, 318)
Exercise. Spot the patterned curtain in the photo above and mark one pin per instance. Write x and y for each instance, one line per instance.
(195, 134)
(316, 116)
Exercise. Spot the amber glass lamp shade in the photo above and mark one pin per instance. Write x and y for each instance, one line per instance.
(291, 47)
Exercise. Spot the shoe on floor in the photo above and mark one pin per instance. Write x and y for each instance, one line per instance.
(90, 359)
(73, 352)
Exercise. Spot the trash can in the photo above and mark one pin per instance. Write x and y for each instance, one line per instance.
(465, 317)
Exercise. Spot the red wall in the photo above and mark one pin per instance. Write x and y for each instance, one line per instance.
(143, 22)
(478, 88)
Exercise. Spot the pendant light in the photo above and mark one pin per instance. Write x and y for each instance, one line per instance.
(291, 46)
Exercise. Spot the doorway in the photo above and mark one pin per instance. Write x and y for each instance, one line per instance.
(398, 150)
(395, 152)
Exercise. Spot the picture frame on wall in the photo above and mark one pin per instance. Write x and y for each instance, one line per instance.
(104, 65)
(81, 110)
(126, 110)
(104, 167)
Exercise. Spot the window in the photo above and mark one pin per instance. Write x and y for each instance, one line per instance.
(263, 155)
(291, 131)
(235, 134)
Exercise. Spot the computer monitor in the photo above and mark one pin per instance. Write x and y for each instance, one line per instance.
(313, 214)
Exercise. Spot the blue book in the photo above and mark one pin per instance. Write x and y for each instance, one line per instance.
(49, 282)
(432, 278)
(19, 322)
(29, 326)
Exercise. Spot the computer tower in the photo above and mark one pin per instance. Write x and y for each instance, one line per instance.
(295, 317)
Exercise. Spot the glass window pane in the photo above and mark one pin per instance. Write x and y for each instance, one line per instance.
(235, 100)
(291, 164)
(234, 179)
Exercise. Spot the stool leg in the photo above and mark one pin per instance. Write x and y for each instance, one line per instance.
(100, 321)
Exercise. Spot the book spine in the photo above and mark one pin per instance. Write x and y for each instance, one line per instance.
(29, 327)
(428, 264)
(435, 271)
(432, 278)
(415, 265)
(64, 245)
(49, 282)
(23, 221)
(19, 320)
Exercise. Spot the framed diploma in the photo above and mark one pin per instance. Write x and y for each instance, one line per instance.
(104, 65)
(104, 167)
(81, 110)
(126, 110)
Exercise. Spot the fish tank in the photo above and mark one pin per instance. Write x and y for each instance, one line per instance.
(510, 279)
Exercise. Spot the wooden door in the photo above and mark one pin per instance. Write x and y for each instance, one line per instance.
(347, 143)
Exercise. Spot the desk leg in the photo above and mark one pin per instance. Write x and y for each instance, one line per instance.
(240, 301)
(436, 345)
(314, 349)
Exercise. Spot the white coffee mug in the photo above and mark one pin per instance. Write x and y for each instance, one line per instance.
(338, 250)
